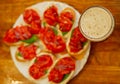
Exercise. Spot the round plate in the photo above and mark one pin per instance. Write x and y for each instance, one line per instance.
(24, 66)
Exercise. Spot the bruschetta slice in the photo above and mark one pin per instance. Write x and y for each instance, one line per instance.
(77, 44)
(51, 15)
(62, 71)
(66, 20)
(53, 42)
(32, 17)
(19, 34)
(41, 65)
(26, 52)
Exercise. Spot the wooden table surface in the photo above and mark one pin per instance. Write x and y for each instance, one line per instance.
(103, 66)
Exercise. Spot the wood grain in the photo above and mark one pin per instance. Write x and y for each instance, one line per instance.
(103, 66)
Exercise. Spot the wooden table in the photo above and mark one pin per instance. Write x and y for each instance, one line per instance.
(103, 66)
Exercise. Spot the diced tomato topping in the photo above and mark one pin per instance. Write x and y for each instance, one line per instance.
(44, 61)
(65, 21)
(53, 42)
(10, 36)
(18, 33)
(51, 15)
(76, 40)
(40, 67)
(22, 33)
(34, 28)
(67, 15)
(35, 71)
(65, 24)
(28, 52)
(55, 76)
(30, 15)
(64, 66)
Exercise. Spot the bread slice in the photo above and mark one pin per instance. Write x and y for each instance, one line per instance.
(80, 54)
(40, 54)
(65, 81)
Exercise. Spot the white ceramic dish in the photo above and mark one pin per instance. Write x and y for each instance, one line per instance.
(24, 66)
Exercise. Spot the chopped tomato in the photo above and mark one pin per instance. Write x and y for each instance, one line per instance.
(51, 15)
(65, 24)
(40, 66)
(63, 67)
(28, 52)
(76, 40)
(44, 61)
(34, 28)
(10, 36)
(16, 34)
(53, 42)
(35, 71)
(65, 21)
(55, 76)
(77, 34)
(22, 33)
(68, 15)
(30, 15)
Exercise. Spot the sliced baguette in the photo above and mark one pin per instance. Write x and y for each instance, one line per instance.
(68, 78)
(40, 54)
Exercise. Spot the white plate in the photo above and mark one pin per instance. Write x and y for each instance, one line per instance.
(24, 66)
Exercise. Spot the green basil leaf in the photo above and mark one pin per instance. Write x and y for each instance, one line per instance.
(44, 24)
(84, 43)
(65, 77)
(45, 71)
(55, 31)
(31, 40)
(72, 32)
(63, 33)
(19, 54)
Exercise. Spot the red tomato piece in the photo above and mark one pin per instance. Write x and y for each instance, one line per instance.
(76, 40)
(10, 36)
(77, 34)
(44, 61)
(66, 20)
(30, 15)
(67, 14)
(22, 33)
(35, 71)
(65, 65)
(41, 65)
(34, 28)
(65, 24)
(28, 52)
(53, 42)
(55, 76)
(51, 15)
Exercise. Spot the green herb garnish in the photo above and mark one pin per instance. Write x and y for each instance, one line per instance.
(63, 33)
(45, 71)
(31, 40)
(55, 31)
(19, 54)
(72, 32)
(84, 43)
(44, 24)
(65, 77)
(35, 60)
